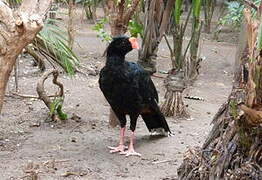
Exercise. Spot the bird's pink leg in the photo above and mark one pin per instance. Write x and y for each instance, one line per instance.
(121, 147)
(131, 151)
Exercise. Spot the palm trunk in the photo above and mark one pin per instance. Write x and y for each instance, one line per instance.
(193, 62)
(175, 81)
(233, 148)
(157, 16)
(17, 32)
(174, 104)
(209, 7)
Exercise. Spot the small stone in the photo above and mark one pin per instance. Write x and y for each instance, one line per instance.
(35, 124)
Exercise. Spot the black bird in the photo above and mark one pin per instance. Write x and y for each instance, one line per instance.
(130, 91)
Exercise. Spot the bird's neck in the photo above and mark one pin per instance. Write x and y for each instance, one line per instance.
(115, 60)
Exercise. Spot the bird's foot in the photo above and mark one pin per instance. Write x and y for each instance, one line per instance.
(170, 134)
(119, 148)
(130, 152)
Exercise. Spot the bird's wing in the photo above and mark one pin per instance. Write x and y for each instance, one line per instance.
(148, 95)
(145, 85)
(103, 84)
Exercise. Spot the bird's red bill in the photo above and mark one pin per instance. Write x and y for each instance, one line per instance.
(134, 43)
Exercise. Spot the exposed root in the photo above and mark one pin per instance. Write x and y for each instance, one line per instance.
(174, 105)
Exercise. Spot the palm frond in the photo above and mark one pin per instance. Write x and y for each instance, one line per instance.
(52, 43)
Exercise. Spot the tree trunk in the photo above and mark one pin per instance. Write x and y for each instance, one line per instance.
(119, 15)
(157, 16)
(192, 64)
(70, 28)
(175, 83)
(18, 30)
(93, 7)
(233, 148)
(209, 7)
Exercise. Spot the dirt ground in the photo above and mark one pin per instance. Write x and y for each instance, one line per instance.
(29, 144)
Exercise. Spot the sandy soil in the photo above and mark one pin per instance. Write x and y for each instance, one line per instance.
(28, 143)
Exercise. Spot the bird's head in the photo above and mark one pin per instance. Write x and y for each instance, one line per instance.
(121, 45)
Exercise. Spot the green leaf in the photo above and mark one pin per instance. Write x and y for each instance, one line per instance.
(99, 27)
(259, 37)
(61, 114)
(177, 14)
(135, 28)
(52, 42)
(53, 106)
(196, 7)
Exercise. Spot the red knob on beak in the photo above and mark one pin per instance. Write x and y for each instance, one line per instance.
(134, 43)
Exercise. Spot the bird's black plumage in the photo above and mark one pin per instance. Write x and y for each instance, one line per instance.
(129, 89)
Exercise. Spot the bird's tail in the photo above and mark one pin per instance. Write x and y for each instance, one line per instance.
(155, 121)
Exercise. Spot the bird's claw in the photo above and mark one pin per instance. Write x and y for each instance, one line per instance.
(170, 134)
(120, 148)
(130, 153)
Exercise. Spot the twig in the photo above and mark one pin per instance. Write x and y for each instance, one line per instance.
(16, 69)
(67, 173)
(41, 90)
(194, 98)
(56, 161)
(164, 161)
(158, 76)
(29, 96)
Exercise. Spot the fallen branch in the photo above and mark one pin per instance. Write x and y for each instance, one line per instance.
(41, 90)
(157, 76)
(42, 93)
(194, 98)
